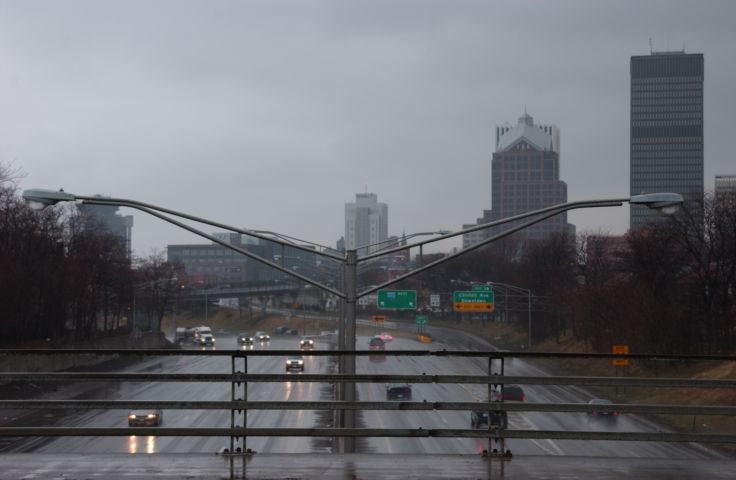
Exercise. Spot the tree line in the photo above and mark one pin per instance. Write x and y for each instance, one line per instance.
(668, 288)
(62, 282)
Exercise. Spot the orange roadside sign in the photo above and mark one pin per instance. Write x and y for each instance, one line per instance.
(620, 350)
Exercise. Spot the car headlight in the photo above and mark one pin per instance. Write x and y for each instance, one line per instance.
(151, 415)
(213, 340)
(131, 417)
(300, 362)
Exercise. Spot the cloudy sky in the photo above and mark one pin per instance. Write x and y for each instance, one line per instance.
(273, 114)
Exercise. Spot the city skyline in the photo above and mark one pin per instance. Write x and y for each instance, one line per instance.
(271, 121)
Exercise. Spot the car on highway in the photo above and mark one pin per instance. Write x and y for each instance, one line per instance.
(376, 343)
(602, 414)
(385, 336)
(398, 391)
(512, 393)
(263, 337)
(294, 362)
(204, 339)
(245, 339)
(306, 342)
(145, 418)
(481, 418)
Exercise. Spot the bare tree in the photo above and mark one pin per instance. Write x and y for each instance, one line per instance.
(156, 288)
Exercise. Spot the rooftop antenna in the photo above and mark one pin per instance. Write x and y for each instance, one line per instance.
(651, 49)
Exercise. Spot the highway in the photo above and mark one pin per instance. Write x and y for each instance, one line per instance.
(451, 340)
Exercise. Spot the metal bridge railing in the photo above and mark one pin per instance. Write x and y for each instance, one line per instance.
(239, 404)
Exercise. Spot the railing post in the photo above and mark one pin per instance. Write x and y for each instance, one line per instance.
(236, 414)
(495, 398)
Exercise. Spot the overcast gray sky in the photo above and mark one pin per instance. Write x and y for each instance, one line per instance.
(273, 114)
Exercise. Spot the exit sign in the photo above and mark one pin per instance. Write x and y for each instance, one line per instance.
(397, 299)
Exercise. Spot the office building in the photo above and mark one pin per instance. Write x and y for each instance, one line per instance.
(525, 176)
(214, 264)
(366, 223)
(106, 217)
(725, 186)
(666, 128)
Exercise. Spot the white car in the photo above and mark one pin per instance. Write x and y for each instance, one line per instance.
(294, 362)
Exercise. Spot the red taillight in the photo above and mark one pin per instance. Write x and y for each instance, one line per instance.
(594, 413)
(522, 397)
(615, 414)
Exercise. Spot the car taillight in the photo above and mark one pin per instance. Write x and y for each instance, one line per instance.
(615, 414)
(522, 397)
(594, 413)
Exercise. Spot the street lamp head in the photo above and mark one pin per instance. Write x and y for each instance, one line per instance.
(38, 199)
(667, 203)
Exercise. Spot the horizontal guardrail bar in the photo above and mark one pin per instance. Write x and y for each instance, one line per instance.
(398, 353)
(387, 405)
(369, 378)
(355, 432)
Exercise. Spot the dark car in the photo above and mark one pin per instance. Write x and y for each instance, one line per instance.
(204, 339)
(145, 418)
(513, 393)
(376, 343)
(603, 414)
(245, 339)
(398, 391)
(480, 418)
(306, 342)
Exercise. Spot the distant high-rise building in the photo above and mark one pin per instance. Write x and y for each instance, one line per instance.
(340, 245)
(525, 176)
(107, 217)
(666, 128)
(366, 223)
(725, 187)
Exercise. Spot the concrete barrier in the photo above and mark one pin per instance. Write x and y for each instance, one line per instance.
(55, 363)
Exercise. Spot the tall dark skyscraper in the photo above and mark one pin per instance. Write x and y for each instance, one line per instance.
(666, 128)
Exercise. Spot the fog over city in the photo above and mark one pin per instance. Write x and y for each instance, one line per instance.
(272, 115)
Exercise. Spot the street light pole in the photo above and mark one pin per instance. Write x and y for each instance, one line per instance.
(351, 291)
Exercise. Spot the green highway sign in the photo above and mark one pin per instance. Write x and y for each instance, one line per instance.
(421, 319)
(477, 300)
(480, 287)
(397, 299)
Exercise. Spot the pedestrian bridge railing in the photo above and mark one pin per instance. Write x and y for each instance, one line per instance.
(238, 378)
